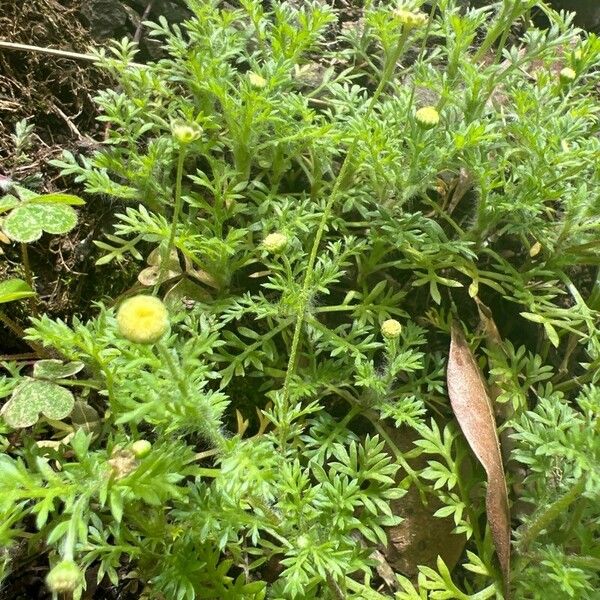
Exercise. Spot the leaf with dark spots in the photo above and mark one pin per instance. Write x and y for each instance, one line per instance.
(473, 409)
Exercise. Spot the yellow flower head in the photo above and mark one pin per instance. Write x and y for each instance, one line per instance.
(391, 329)
(143, 319)
(410, 19)
(427, 117)
(275, 242)
(567, 75)
(256, 80)
(185, 133)
(64, 577)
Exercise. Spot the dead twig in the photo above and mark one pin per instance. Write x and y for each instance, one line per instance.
(72, 128)
(138, 32)
(55, 52)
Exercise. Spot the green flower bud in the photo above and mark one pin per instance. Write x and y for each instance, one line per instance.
(391, 329)
(427, 117)
(141, 448)
(303, 542)
(410, 19)
(143, 319)
(256, 80)
(185, 133)
(275, 242)
(65, 577)
(567, 75)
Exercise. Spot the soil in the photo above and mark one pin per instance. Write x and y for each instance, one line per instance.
(55, 96)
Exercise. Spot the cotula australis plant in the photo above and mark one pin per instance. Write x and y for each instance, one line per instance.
(314, 196)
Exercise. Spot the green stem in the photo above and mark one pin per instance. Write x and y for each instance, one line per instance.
(93, 385)
(364, 591)
(505, 19)
(334, 588)
(585, 562)
(335, 192)
(33, 303)
(71, 537)
(205, 472)
(551, 513)
(397, 452)
(166, 258)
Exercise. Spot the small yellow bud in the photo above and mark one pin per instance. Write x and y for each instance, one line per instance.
(185, 133)
(410, 19)
(143, 319)
(427, 117)
(535, 249)
(256, 80)
(64, 577)
(567, 75)
(141, 448)
(391, 329)
(275, 242)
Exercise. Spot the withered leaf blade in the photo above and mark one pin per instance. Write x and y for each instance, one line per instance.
(473, 410)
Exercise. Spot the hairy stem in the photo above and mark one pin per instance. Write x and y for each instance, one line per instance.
(29, 278)
(166, 258)
(335, 192)
(20, 333)
(552, 512)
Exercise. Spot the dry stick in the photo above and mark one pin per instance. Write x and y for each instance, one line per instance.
(138, 32)
(72, 128)
(55, 52)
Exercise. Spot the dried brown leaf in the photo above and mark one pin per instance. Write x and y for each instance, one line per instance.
(473, 409)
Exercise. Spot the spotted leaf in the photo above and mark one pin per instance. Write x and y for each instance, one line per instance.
(27, 222)
(32, 398)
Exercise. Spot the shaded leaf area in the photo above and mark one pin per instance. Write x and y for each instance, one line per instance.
(422, 535)
(56, 369)
(14, 289)
(473, 409)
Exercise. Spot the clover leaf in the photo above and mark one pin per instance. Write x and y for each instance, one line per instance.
(33, 397)
(55, 369)
(27, 222)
